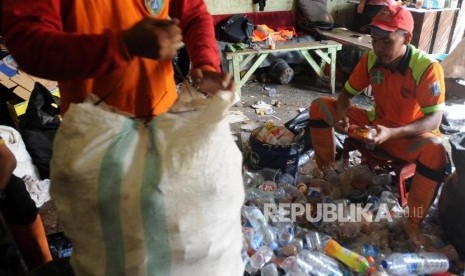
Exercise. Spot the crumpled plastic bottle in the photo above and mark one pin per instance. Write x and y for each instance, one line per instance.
(261, 257)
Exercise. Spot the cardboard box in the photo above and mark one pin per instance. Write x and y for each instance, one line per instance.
(21, 83)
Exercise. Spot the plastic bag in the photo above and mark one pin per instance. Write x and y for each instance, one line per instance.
(238, 28)
(42, 110)
(451, 211)
(38, 126)
(299, 122)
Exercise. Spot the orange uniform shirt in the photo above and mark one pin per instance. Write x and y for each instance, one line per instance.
(79, 43)
(404, 95)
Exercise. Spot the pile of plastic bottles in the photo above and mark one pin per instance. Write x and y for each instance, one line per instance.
(278, 242)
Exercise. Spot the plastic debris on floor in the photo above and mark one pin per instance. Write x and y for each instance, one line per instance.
(346, 220)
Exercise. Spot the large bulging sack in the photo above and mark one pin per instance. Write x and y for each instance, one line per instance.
(161, 198)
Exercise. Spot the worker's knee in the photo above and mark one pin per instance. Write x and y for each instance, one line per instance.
(433, 156)
(321, 108)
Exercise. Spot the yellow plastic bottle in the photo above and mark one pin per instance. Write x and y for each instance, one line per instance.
(356, 262)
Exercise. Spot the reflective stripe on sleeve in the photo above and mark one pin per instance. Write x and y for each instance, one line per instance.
(351, 90)
(433, 108)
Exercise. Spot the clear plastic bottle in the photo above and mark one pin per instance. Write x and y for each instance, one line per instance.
(299, 244)
(269, 270)
(260, 225)
(291, 267)
(286, 178)
(316, 240)
(416, 263)
(306, 157)
(285, 233)
(319, 266)
(355, 261)
(261, 257)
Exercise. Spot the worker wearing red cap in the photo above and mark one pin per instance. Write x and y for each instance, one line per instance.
(409, 92)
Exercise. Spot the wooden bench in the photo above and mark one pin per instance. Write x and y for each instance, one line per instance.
(326, 50)
(276, 20)
(348, 37)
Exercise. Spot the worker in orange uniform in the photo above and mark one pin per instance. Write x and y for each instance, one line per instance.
(120, 50)
(20, 213)
(409, 92)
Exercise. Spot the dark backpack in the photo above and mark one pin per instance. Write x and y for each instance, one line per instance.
(238, 28)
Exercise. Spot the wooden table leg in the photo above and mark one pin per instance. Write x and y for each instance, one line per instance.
(333, 70)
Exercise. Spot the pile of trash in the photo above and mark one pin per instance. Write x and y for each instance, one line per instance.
(343, 221)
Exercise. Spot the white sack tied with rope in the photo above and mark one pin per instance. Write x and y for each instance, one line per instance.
(157, 198)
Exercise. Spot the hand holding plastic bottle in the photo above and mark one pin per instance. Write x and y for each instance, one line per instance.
(382, 134)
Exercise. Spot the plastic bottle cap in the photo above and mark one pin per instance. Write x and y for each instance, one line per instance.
(330, 246)
(384, 264)
(370, 259)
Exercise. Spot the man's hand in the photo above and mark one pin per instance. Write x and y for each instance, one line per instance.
(154, 38)
(211, 82)
(382, 134)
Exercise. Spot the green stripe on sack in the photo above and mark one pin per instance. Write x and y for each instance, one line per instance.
(109, 188)
(153, 213)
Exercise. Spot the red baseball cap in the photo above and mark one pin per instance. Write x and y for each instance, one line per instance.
(392, 18)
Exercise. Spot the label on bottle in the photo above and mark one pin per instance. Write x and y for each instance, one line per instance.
(257, 241)
(268, 186)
